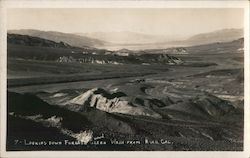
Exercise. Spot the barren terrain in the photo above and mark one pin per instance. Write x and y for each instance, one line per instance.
(192, 101)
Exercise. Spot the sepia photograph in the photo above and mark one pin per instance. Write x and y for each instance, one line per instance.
(125, 79)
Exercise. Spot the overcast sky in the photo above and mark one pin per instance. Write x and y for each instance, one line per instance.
(180, 22)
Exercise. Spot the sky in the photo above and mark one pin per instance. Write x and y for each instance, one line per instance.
(166, 21)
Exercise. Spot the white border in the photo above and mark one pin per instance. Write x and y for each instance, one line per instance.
(121, 4)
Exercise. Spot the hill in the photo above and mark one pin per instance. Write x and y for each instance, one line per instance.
(224, 35)
(71, 39)
(34, 41)
(236, 46)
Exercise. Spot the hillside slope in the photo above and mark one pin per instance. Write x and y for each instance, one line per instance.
(72, 39)
(224, 35)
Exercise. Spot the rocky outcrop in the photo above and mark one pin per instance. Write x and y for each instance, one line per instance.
(145, 59)
(65, 59)
(176, 50)
(159, 58)
(111, 103)
(69, 59)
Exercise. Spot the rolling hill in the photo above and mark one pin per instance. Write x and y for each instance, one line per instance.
(224, 35)
(34, 41)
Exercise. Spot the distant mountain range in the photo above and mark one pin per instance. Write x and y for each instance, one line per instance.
(136, 41)
(132, 40)
(127, 37)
